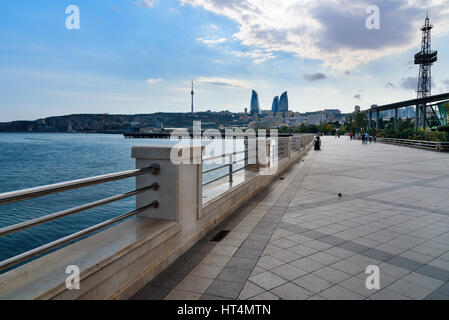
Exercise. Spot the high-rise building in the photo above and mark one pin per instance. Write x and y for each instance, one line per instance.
(255, 106)
(275, 105)
(283, 103)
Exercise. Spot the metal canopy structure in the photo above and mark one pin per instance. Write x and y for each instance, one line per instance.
(424, 58)
(437, 101)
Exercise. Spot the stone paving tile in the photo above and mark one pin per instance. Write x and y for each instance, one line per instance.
(340, 293)
(269, 262)
(285, 256)
(182, 295)
(194, 284)
(206, 271)
(288, 272)
(387, 294)
(332, 275)
(242, 263)
(250, 290)
(267, 280)
(234, 275)
(307, 264)
(265, 296)
(226, 289)
(313, 283)
(410, 290)
(290, 291)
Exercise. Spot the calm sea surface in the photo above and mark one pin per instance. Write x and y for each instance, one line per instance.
(34, 159)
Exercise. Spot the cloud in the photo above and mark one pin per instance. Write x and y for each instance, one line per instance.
(154, 80)
(145, 3)
(315, 76)
(258, 56)
(222, 82)
(331, 31)
(446, 82)
(410, 83)
(390, 85)
(212, 42)
(358, 96)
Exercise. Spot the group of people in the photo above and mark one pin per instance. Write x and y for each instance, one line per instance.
(365, 137)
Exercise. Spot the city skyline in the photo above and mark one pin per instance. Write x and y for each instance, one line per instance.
(135, 57)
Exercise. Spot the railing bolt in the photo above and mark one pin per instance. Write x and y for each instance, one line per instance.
(156, 168)
(155, 204)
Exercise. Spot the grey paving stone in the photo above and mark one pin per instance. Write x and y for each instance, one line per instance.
(290, 291)
(443, 289)
(307, 264)
(267, 280)
(250, 290)
(234, 275)
(151, 292)
(354, 247)
(285, 256)
(288, 272)
(387, 294)
(410, 290)
(332, 275)
(254, 244)
(265, 296)
(313, 283)
(434, 272)
(226, 289)
(242, 263)
(248, 253)
(404, 263)
(378, 254)
(340, 293)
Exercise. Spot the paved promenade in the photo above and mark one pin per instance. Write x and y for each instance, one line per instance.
(298, 240)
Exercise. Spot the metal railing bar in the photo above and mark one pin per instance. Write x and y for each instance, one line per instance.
(51, 217)
(228, 154)
(224, 155)
(26, 194)
(243, 168)
(47, 247)
(216, 179)
(217, 168)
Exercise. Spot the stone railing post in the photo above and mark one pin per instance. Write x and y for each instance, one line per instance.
(180, 180)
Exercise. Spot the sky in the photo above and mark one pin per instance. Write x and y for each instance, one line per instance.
(139, 56)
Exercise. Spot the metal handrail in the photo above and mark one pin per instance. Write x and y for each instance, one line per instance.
(11, 197)
(51, 217)
(47, 247)
(31, 193)
(226, 155)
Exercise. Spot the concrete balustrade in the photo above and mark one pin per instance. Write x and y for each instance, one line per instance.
(119, 261)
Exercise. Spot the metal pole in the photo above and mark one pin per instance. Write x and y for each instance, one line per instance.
(395, 118)
(230, 169)
(377, 119)
(416, 118)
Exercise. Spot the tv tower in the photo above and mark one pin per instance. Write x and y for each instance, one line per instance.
(192, 93)
(425, 58)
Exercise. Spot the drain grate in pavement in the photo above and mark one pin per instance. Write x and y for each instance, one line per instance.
(220, 236)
